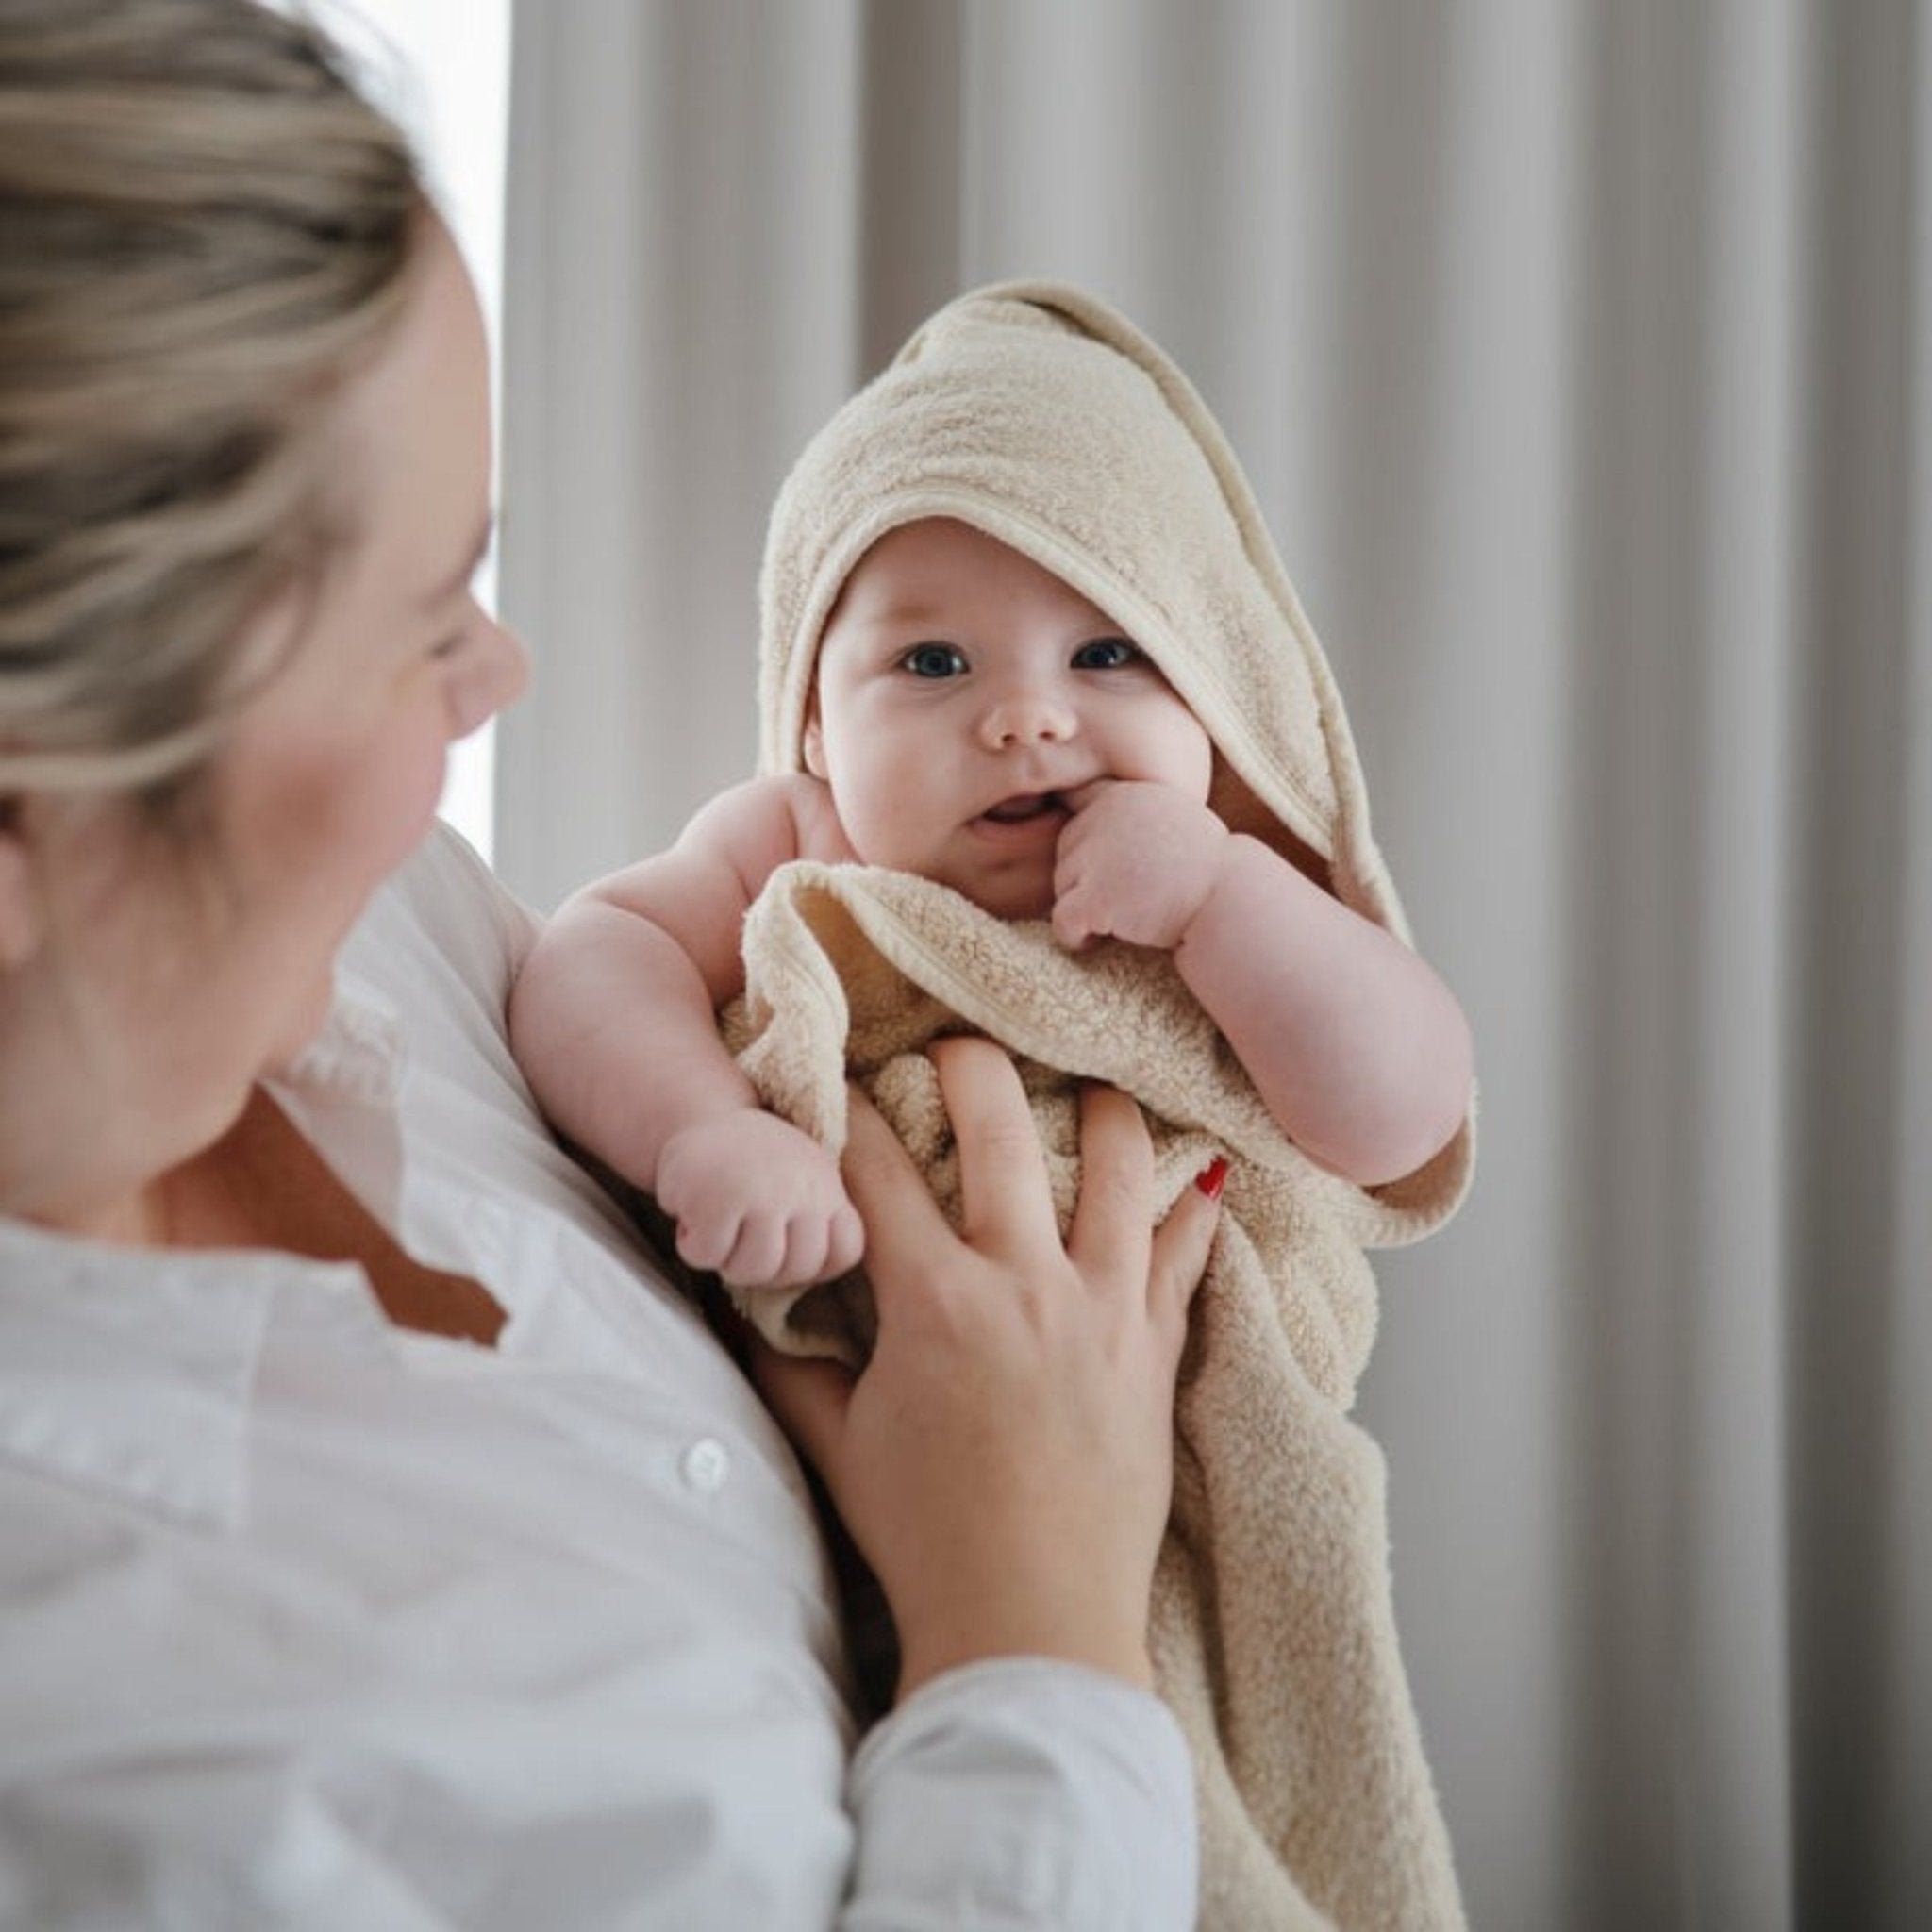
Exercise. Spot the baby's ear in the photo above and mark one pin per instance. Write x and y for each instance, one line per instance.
(814, 745)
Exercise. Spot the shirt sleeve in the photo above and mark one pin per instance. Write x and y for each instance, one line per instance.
(1021, 1793)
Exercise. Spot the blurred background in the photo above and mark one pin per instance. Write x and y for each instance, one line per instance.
(1580, 352)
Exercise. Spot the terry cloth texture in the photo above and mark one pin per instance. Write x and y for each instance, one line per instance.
(1037, 415)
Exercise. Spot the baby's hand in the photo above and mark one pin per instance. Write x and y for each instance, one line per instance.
(759, 1201)
(1136, 861)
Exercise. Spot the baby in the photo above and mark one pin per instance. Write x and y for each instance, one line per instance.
(1050, 752)
(975, 720)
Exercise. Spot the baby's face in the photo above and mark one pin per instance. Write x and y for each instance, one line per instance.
(961, 693)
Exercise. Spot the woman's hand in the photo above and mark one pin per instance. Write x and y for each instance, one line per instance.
(1005, 1460)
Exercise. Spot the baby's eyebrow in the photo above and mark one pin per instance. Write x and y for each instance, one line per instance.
(911, 612)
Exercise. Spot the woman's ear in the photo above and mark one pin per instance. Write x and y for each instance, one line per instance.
(19, 896)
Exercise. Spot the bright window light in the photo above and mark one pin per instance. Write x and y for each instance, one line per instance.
(442, 67)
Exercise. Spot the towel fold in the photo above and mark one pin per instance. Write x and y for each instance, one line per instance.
(1038, 415)
(1273, 1635)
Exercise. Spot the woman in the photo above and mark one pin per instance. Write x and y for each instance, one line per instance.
(381, 1541)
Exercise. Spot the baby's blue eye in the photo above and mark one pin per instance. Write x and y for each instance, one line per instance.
(934, 661)
(1106, 653)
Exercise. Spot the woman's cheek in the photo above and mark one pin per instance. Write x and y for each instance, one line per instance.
(414, 766)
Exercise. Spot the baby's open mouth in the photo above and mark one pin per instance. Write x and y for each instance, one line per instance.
(1025, 806)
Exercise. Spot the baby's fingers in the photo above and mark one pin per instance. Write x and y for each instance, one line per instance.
(708, 1239)
(1084, 797)
(844, 1244)
(1072, 928)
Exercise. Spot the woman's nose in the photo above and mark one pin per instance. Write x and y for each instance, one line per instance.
(1030, 714)
(495, 676)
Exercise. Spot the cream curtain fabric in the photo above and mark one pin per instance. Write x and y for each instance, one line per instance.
(1581, 354)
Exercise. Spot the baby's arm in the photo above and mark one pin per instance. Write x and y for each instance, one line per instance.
(1360, 1052)
(614, 1020)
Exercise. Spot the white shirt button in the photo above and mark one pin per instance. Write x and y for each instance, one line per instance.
(706, 1464)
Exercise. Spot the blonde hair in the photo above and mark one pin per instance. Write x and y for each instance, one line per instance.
(204, 229)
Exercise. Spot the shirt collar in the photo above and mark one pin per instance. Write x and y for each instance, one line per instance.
(359, 1053)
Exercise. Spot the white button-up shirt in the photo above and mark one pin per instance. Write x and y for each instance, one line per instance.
(308, 1620)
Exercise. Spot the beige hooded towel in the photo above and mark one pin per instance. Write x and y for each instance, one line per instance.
(1038, 416)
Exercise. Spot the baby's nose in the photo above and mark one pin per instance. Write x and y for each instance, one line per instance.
(1029, 715)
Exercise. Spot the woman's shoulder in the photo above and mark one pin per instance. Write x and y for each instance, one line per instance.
(443, 915)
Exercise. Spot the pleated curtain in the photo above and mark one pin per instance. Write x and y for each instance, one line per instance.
(1580, 352)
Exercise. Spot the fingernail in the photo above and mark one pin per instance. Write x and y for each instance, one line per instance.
(1213, 1177)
